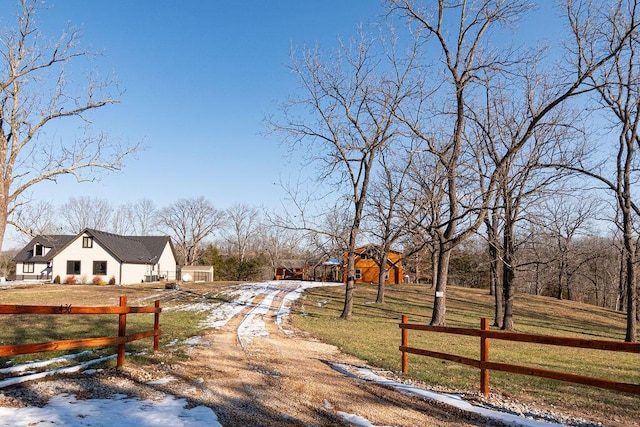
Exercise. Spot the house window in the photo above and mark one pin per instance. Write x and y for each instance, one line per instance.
(100, 267)
(39, 250)
(358, 274)
(73, 267)
(28, 267)
(87, 242)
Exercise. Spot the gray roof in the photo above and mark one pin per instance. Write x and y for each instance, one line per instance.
(131, 249)
(127, 249)
(56, 242)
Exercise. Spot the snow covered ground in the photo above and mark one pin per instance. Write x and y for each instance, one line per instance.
(66, 410)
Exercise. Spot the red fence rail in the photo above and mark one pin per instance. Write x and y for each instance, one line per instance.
(485, 365)
(121, 310)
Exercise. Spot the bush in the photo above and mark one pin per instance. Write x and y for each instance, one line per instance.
(112, 281)
(97, 280)
(70, 280)
(56, 280)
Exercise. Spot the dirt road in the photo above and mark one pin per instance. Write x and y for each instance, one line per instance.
(287, 378)
(253, 369)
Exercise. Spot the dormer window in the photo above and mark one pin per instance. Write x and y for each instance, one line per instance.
(87, 242)
(38, 250)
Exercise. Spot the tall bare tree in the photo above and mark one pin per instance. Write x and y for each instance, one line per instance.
(82, 212)
(387, 215)
(37, 217)
(143, 217)
(242, 222)
(345, 115)
(189, 222)
(597, 28)
(37, 90)
(467, 55)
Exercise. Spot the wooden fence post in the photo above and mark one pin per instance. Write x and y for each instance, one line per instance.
(405, 343)
(156, 327)
(122, 331)
(484, 357)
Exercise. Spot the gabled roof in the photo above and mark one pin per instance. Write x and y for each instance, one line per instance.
(373, 248)
(130, 249)
(55, 242)
(126, 249)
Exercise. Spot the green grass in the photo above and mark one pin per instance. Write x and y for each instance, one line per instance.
(374, 336)
(176, 325)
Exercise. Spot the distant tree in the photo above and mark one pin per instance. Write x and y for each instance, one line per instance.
(210, 256)
(189, 222)
(386, 215)
(122, 220)
(343, 117)
(242, 221)
(144, 217)
(37, 90)
(83, 212)
(36, 218)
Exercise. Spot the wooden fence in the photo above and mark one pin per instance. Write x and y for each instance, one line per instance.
(121, 310)
(485, 365)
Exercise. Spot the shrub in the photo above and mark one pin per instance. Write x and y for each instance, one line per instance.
(70, 280)
(56, 280)
(112, 281)
(97, 280)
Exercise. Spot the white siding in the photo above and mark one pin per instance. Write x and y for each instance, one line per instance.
(134, 273)
(75, 252)
(167, 263)
(39, 268)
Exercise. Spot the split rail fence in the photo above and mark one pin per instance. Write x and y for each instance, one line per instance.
(121, 310)
(485, 365)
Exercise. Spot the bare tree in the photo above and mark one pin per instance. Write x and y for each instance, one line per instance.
(467, 57)
(464, 55)
(603, 30)
(189, 222)
(37, 218)
(83, 212)
(564, 219)
(386, 219)
(278, 243)
(345, 116)
(242, 223)
(122, 220)
(36, 91)
(144, 217)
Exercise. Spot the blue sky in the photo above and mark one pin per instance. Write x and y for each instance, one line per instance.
(199, 76)
(199, 79)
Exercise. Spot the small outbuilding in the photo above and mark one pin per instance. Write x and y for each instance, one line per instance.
(367, 270)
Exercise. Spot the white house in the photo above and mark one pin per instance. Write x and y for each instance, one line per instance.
(96, 255)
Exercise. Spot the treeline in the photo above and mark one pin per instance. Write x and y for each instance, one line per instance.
(238, 241)
(587, 269)
(447, 123)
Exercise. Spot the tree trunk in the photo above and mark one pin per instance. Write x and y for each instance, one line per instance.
(435, 257)
(347, 311)
(508, 274)
(381, 286)
(631, 279)
(438, 317)
(494, 282)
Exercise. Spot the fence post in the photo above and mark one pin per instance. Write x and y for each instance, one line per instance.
(484, 357)
(156, 327)
(122, 331)
(405, 343)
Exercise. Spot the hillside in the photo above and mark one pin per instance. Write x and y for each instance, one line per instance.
(374, 336)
